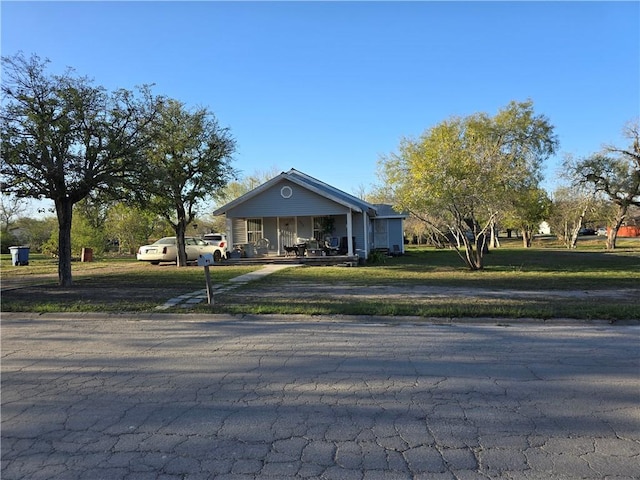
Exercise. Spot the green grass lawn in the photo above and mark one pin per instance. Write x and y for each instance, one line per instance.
(607, 285)
(556, 273)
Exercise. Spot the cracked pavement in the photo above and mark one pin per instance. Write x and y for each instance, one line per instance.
(168, 397)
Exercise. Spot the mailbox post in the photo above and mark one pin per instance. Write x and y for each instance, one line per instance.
(204, 261)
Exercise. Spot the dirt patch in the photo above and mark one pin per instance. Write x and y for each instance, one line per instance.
(88, 288)
(21, 291)
(378, 292)
(109, 298)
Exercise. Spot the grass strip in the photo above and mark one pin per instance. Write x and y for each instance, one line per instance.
(542, 282)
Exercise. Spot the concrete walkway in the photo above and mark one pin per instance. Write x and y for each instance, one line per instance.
(189, 299)
(263, 272)
(174, 397)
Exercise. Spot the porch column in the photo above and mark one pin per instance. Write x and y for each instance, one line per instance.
(366, 226)
(230, 241)
(279, 234)
(349, 233)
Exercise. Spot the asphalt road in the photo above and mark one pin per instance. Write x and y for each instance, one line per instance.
(168, 397)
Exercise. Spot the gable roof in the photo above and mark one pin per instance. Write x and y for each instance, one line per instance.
(309, 183)
(387, 211)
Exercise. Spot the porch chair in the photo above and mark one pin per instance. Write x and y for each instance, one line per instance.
(262, 246)
(313, 248)
(332, 247)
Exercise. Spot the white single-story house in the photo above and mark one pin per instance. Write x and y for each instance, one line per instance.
(544, 228)
(294, 208)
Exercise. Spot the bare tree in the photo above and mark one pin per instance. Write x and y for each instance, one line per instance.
(614, 173)
(569, 208)
(11, 207)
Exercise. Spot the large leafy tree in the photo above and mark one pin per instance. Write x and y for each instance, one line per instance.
(614, 174)
(132, 226)
(64, 138)
(35, 232)
(466, 171)
(529, 207)
(187, 164)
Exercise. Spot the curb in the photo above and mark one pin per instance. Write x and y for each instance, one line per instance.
(297, 318)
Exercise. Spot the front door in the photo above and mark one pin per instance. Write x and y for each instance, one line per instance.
(288, 233)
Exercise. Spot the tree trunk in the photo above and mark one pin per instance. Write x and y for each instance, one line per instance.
(181, 228)
(612, 234)
(64, 211)
(474, 251)
(573, 242)
(526, 237)
(481, 242)
(182, 252)
(471, 258)
(577, 227)
(495, 241)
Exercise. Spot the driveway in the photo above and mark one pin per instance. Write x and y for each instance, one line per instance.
(203, 397)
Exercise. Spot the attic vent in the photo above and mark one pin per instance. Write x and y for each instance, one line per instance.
(286, 191)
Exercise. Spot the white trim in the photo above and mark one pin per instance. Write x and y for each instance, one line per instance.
(286, 191)
(350, 233)
(366, 220)
(230, 242)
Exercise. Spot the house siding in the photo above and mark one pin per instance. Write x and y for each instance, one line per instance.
(380, 233)
(302, 202)
(357, 225)
(396, 233)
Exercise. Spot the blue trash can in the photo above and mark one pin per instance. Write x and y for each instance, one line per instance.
(19, 255)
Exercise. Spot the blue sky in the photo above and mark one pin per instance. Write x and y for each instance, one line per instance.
(329, 87)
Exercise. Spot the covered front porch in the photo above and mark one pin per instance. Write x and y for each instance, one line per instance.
(331, 260)
(297, 236)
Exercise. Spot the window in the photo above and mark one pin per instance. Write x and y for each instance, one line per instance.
(318, 228)
(286, 191)
(254, 230)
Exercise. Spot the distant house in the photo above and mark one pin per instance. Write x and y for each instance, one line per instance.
(294, 208)
(544, 228)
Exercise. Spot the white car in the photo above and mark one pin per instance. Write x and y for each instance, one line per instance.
(218, 239)
(166, 250)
